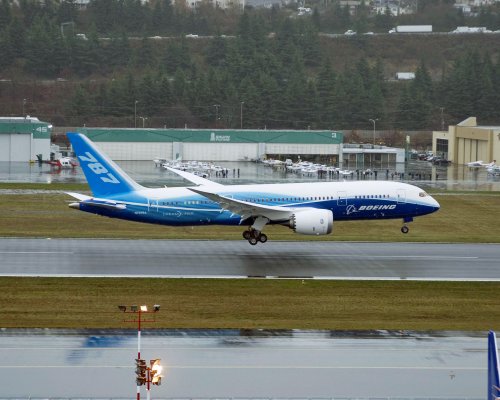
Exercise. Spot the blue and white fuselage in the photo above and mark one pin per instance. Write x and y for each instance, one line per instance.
(308, 208)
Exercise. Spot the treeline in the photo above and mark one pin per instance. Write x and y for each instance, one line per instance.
(271, 89)
(254, 79)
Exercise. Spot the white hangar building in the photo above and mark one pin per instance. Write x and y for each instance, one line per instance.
(23, 138)
(213, 144)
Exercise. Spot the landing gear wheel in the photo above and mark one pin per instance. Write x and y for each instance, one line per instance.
(263, 238)
(405, 229)
(253, 241)
(247, 235)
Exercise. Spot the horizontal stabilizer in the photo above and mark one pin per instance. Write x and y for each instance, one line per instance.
(78, 196)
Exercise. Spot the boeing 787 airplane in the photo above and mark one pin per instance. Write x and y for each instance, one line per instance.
(307, 208)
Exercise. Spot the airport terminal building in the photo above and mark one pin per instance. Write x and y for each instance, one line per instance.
(467, 142)
(215, 145)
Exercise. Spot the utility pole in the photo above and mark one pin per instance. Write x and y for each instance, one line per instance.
(135, 113)
(373, 121)
(442, 118)
(216, 114)
(241, 114)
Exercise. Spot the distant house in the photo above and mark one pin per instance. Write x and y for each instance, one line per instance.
(405, 76)
(350, 4)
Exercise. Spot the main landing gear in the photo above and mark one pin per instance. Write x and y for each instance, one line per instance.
(404, 228)
(254, 233)
(254, 236)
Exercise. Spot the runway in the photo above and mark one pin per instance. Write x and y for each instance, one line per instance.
(237, 259)
(224, 365)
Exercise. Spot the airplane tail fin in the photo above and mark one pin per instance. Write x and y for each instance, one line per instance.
(105, 178)
(493, 375)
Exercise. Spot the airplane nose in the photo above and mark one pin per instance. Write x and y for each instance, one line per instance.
(434, 204)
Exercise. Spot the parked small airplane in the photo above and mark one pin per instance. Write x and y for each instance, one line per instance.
(307, 208)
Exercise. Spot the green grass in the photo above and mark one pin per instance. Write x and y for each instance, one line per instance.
(271, 304)
(68, 187)
(462, 218)
(219, 303)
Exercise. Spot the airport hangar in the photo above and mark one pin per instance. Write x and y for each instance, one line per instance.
(467, 142)
(127, 144)
(23, 138)
(238, 145)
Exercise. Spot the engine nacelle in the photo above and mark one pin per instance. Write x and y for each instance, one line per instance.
(312, 222)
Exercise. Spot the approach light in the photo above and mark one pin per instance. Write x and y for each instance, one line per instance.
(140, 371)
(156, 369)
(156, 308)
(122, 308)
(134, 308)
(144, 308)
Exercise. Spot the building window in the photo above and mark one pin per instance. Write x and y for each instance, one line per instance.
(442, 147)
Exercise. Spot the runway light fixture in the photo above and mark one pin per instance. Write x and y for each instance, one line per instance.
(134, 308)
(156, 308)
(144, 308)
(155, 373)
(140, 371)
(122, 308)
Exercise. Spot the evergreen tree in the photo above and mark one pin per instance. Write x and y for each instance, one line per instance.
(6, 51)
(17, 37)
(5, 14)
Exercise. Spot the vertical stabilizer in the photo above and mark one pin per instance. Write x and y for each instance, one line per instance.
(493, 378)
(105, 178)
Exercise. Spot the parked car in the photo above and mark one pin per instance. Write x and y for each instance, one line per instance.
(440, 161)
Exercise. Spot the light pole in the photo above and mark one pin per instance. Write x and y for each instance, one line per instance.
(143, 119)
(216, 114)
(373, 121)
(241, 114)
(135, 113)
(141, 368)
(24, 104)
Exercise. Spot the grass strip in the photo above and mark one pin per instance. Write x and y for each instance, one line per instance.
(268, 304)
(462, 218)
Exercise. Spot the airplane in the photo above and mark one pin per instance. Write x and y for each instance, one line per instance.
(307, 208)
(493, 375)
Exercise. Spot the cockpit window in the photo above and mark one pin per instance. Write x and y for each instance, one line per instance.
(423, 194)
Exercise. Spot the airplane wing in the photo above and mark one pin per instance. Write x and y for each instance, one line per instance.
(246, 209)
(197, 180)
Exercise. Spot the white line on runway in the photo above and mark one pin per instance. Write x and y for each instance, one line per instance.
(449, 368)
(320, 278)
(367, 256)
(37, 252)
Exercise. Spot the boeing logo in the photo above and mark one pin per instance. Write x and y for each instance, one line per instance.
(377, 207)
(219, 138)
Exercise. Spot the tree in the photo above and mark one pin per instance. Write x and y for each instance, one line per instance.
(5, 14)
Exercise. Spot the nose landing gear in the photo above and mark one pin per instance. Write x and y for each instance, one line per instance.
(404, 228)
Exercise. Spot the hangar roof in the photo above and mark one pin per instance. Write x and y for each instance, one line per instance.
(39, 129)
(211, 135)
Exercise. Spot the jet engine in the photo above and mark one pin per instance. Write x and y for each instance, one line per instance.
(312, 222)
